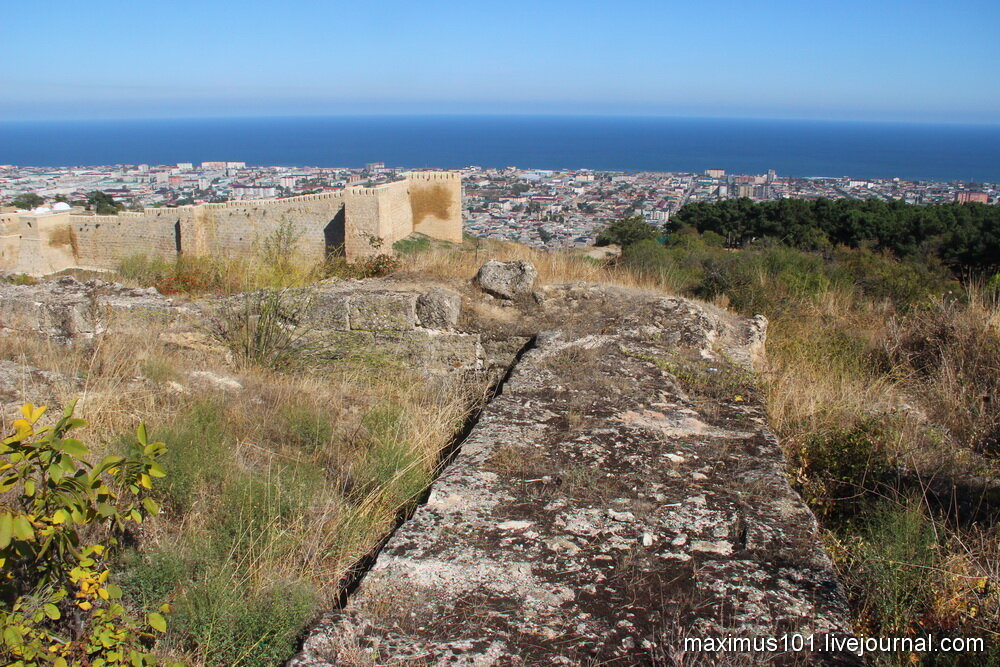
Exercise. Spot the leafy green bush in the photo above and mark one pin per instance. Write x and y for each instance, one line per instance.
(839, 470)
(962, 236)
(61, 520)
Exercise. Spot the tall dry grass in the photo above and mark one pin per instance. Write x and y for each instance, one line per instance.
(462, 263)
(273, 493)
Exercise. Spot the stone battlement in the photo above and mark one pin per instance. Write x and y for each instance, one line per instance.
(357, 222)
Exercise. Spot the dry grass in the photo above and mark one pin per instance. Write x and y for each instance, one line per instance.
(815, 379)
(282, 486)
(462, 263)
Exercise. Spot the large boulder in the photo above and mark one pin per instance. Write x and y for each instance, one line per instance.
(507, 280)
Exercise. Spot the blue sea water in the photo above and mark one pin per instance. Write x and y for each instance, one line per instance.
(792, 147)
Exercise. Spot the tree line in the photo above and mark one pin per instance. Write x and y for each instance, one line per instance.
(963, 236)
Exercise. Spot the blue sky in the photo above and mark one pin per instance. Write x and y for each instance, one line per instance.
(903, 61)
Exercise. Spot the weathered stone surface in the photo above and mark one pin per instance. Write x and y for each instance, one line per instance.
(433, 351)
(214, 381)
(20, 383)
(329, 310)
(383, 311)
(439, 309)
(67, 309)
(507, 280)
(621, 494)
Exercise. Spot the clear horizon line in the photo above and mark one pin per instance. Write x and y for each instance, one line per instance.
(487, 114)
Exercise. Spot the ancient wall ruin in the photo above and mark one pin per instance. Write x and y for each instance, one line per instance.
(357, 222)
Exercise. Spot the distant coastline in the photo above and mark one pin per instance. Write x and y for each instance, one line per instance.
(609, 143)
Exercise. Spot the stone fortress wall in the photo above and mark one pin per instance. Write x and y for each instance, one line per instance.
(357, 222)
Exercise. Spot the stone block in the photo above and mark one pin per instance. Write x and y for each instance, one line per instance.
(329, 310)
(69, 317)
(432, 350)
(383, 311)
(439, 309)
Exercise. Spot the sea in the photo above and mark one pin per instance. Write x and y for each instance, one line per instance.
(910, 151)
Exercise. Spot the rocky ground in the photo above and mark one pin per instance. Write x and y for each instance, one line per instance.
(621, 494)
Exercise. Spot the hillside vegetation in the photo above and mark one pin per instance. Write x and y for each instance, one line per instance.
(883, 385)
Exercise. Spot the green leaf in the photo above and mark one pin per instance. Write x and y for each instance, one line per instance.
(22, 528)
(8, 482)
(51, 610)
(29, 487)
(157, 622)
(150, 506)
(71, 446)
(6, 529)
(12, 636)
(156, 470)
(140, 433)
(108, 462)
(66, 463)
(114, 591)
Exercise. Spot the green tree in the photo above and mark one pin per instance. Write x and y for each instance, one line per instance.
(627, 231)
(103, 203)
(27, 201)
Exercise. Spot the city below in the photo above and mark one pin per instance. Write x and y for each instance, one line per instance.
(536, 207)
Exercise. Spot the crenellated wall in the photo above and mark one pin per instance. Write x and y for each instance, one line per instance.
(358, 222)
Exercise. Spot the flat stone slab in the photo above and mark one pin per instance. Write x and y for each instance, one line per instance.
(65, 308)
(622, 494)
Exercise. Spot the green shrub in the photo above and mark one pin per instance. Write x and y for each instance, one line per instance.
(278, 254)
(306, 427)
(413, 244)
(149, 577)
(254, 510)
(185, 274)
(375, 266)
(392, 466)
(893, 564)
(839, 470)
(60, 523)
(626, 231)
(20, 279)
